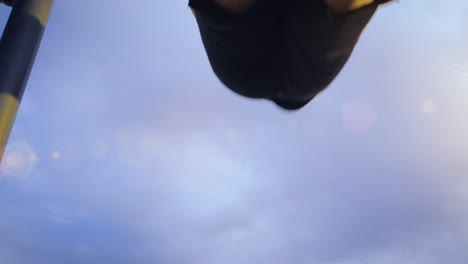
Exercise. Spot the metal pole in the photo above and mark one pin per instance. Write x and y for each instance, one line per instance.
(18, 47)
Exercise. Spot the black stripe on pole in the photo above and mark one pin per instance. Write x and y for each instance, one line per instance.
(18, 47)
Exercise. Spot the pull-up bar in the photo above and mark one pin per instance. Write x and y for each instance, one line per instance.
(18, 47)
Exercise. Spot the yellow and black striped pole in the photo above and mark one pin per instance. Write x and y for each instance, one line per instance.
(18, 47)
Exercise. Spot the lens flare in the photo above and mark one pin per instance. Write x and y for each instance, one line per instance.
(56, 155)
(428, 107)
(19, 161)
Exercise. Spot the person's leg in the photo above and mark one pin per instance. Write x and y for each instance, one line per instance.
(320, 43)
(242, 48)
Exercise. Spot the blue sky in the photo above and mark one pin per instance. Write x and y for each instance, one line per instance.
(127, 149)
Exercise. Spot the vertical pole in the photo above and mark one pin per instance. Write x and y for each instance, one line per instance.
(18, 48)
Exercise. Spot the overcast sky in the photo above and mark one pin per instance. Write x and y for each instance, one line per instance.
(127, 149)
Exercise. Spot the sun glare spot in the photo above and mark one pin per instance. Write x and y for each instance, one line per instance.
(19, 161)
(428, 107)
(67, 153)
(56, 155)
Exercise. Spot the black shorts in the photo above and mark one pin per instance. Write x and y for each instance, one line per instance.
(280, 49)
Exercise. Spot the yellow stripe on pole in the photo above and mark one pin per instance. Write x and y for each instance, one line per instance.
(39, 9)
(8, 108)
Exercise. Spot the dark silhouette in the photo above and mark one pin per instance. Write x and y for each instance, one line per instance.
(286, 51)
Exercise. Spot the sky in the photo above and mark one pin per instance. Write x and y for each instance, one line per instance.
(127, 149)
